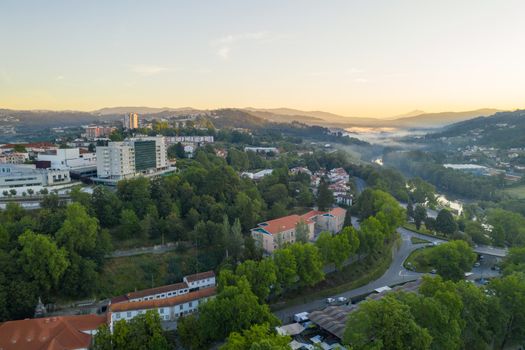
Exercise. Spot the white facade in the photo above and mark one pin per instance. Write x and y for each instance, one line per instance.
(117, 160)
(68, 158)
(192, 139)
(22, 178)
(169, 309)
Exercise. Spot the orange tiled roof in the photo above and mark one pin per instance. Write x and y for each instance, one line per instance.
(282, 224)
(50, 333)
(311, 214)
(157, 290)
(153, 304)
(200, 276)
(338, 211)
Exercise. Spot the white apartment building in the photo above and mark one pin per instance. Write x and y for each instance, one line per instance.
(169, 309)
(131, 121)
(131, 157)
(190, 283)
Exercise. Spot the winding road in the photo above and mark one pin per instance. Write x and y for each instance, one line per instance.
(395, 274)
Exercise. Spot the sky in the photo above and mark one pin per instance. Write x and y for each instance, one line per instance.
(367, 58)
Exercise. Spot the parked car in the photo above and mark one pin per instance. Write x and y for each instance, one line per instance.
(477, 264)
(342, 299)
(330, 300)
(434, 271)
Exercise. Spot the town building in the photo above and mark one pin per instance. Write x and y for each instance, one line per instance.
(257, 175)
(66, 158)
(190, 139)
(300, 170)
(50, 333)
(26, 177)
(272, 234)
(131, 121)
(264, 150)
(144, 156)
(189, 284)
(14, 157)
(93, 132)
(169, 309)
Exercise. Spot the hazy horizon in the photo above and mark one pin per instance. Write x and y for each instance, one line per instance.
(351, 58)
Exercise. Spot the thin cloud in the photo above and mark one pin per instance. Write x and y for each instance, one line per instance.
(148, 70)
(360, 80)
(223, 46)
(60, 77)
(353, 71)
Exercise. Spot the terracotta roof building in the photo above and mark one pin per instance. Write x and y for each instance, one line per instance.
(50, 333)
(169, 309)
(272, 234)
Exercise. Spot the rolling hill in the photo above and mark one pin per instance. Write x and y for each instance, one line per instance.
(502, 130)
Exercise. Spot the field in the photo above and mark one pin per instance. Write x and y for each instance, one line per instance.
(516, 192)
(121, 275)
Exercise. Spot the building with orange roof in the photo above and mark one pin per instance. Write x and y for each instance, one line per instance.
(169, 309)
(272, 234)
(50, 333)
(190, 283)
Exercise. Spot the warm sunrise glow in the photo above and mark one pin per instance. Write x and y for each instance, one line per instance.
(355, 58)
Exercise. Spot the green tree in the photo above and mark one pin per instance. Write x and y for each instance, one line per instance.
(141, 332)
(302, 232)
(325, 197)
(309, 263)
(385, 324)
(371, 235)
(79, 231)
(234, 309)
(129, 224)
(420, 214)
(515, 261)
(286, 268)
(510, 303)
(445, 222)
(333, 249)
(256, 337)
(41, 260)
(452, 259)
(260, 274)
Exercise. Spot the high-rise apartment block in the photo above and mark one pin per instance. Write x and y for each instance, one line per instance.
(131, 121)
(145, 156)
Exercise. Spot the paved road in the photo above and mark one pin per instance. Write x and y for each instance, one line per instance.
(480, 249)
(396, 273)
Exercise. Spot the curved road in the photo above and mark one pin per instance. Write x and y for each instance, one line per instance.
(395, 274)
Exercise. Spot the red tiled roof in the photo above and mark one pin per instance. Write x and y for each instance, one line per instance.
(282, 224)
(338, 211)
(157, 290)
(153, 304)
(311, 214)
(50, 333)
(200, 276)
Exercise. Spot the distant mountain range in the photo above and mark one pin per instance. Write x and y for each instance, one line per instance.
(35, 119)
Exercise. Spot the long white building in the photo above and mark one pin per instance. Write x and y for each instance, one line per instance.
(130, 158)
(22, 178)
(171, 301)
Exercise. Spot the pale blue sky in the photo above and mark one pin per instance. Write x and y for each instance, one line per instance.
(362, 58)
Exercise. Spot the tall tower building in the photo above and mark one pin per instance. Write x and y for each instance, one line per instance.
(131, 121)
